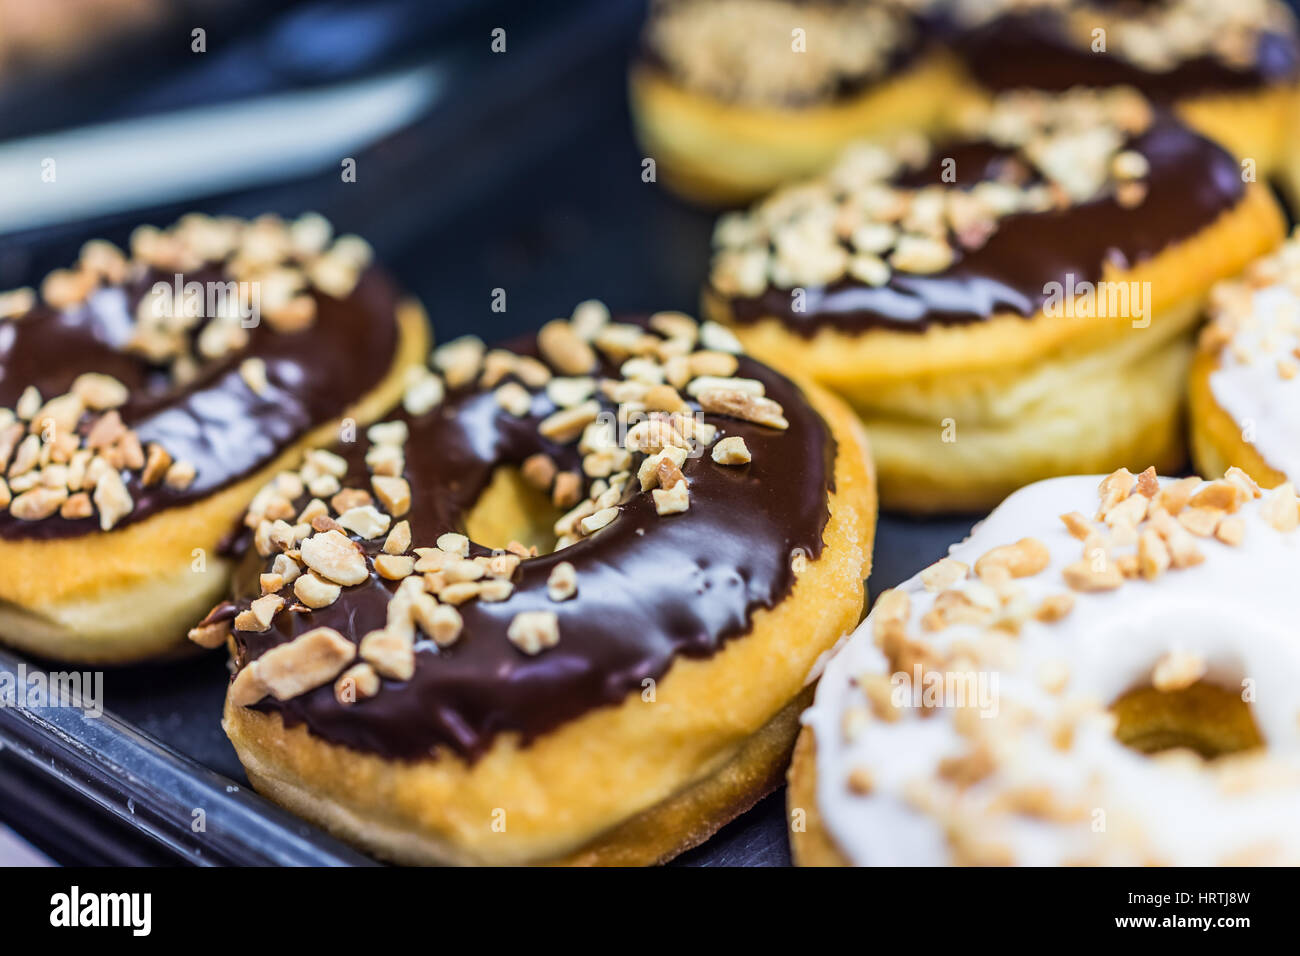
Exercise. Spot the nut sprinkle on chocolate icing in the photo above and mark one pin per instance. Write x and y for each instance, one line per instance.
(749, 51)
(1156, 38)
(951, 232)
(65, 455)
(863, 222)
(111, 376)
(614, 422)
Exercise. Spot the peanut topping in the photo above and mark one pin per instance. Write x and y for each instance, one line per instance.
(310, 660)
(358, 682)
(253, 372)
(1280, 507)
(750, 408)
(562, 583)
(534, 631)
(732, 451)
(260, 613)
(673, 500)
(393, 493)
(1026, 557)
(390, 652)
(37, 503)
(424, 391)
(1095, 573)
(16, 304)
(514, 398)
(399, 539)
(1055, 607)
(210, 634)
(539, 471)
(156, 465)
(943, 574)
(564, 349)
(77, 506)
(1177, 670)
(459, 360)
(1153, 555)
(594, 522)
(99, 392)
(654, 436)
(365, 521)
(112, 499)
(1200, 521)
(335, 558)
(567, 491)
(453, 543)
(567, 424)
(315, 591)
(443, 625)
(1231, 531)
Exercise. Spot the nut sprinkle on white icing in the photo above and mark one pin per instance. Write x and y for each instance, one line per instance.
(1072, 593)
(1254, 334)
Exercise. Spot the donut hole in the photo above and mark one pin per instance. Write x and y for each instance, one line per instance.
(1210, 720)
(510, 509)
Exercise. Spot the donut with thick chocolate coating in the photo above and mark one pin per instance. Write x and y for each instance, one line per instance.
(1231, 71)
(734, 97)
(563, 609)
(145, 398)
(1004, 306)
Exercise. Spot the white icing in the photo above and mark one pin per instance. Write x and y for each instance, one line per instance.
(1237, 610)
(1248, 387)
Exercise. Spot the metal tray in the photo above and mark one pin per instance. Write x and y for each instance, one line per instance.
(524, 175)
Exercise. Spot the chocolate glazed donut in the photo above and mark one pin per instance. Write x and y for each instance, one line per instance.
(616, 699)
(1229, 70)
(730, 107)
(734, 97)
(1005, 305)
(142, 400)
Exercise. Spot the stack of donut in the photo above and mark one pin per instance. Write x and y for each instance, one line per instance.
(145, 397)
(560, 608)
(733, 97)
(1006, 306)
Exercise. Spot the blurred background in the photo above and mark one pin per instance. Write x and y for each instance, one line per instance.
(475, 169)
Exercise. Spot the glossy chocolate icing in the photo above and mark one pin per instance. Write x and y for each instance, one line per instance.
(1034, 50)
(650, 588)
(1192, 181)
(215, 422)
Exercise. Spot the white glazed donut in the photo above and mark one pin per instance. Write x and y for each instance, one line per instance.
(1245, 384)
(1164, 597)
